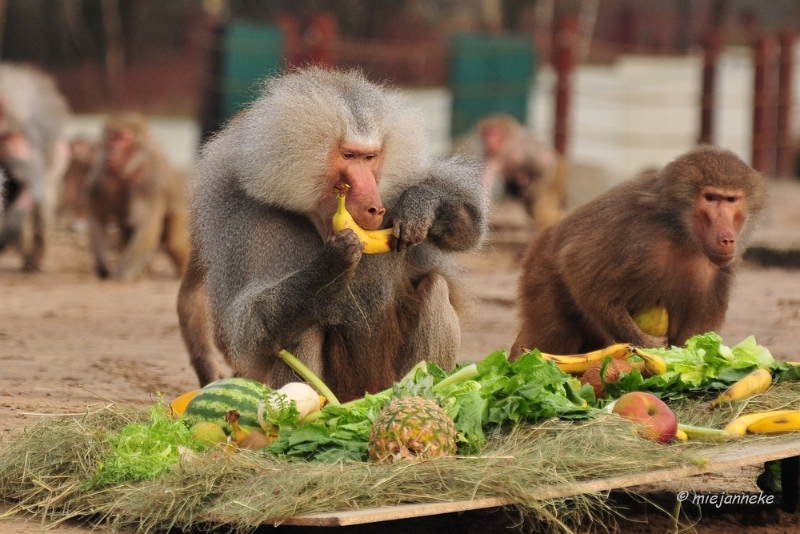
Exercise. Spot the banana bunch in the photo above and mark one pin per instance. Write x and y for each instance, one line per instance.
(754, 383)
(375, 241)
(774, 422)
(576, 364)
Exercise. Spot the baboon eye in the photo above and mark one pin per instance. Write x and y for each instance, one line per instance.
(348, 155)
(732, 199)
(709, 197)
(369, 157)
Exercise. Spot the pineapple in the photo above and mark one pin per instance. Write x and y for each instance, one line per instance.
(411, 428)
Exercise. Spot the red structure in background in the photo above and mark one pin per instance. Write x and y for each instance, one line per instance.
(564, 44)
(764, 105)
(787, 145)
(310, 39)
(774, 146)
(713, 44)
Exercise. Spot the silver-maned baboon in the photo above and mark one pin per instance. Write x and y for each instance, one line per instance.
(267, 270)
(34, 154)
(671, 238)
(135, 189)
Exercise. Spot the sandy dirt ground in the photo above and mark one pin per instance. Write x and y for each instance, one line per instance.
(68, 340)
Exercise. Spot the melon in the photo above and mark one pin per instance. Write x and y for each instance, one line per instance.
(218, 398)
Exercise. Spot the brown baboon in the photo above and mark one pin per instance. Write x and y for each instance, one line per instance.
(134, 188)
(672, 237)
(517, 164)
(268, 271)
(34, 154)
(73, 205)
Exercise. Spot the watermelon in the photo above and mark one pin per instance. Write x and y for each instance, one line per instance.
(216, 399)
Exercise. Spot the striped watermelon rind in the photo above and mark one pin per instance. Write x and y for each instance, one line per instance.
(217, 398)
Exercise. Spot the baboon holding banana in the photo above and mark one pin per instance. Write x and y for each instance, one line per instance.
(134, 189)
(34, 154)
(671, 238)
(267, 270)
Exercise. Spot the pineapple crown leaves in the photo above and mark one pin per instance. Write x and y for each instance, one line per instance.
(417, 387)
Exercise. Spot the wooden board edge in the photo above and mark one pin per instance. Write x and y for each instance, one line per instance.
(714, 458)
(389, 513)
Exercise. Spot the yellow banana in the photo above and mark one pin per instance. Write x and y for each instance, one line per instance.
(654, 363)
(739, 425)
(776, 424)
(578, 363)
(702, 432)
(756, 382)
(239, 433)
(680, 435)
(375, 241)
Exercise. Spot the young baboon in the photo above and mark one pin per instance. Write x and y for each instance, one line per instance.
(34, 154)
(517, 164)
(267, 270)
(672, 238)
(134, 188)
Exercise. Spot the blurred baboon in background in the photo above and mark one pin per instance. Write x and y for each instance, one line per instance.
(34, 155)
(517, 164)
(2, 193)
(134, 189)
(73, 205)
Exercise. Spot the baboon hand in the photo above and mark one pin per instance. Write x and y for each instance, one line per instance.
(410, 228)
(346, 248)
(409, 234)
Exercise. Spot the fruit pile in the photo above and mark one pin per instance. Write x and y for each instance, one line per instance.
(430, 412)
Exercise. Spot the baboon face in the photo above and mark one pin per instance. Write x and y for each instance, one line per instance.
(718, 218)
(120, 144)
(357, 165)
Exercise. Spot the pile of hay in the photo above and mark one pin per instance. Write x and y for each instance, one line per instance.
(45, 471)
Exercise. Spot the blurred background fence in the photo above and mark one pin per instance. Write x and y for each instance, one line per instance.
(629, 94)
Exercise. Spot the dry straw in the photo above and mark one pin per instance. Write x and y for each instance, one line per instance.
(44, 471)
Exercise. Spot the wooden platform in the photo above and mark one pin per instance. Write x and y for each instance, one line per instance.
(714, 459)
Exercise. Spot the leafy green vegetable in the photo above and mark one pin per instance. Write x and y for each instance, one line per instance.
(704, 364)
(341, 432)
(491, 393)
(280, 411)
(145, 451)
